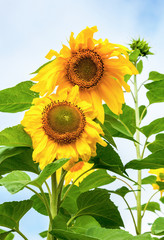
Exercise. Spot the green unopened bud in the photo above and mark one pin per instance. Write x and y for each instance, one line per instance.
(142, 46)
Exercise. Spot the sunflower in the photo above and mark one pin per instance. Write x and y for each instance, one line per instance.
(97, 67)
(61, 126)
(160, 177)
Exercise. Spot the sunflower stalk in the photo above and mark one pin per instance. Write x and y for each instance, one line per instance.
(137, 145)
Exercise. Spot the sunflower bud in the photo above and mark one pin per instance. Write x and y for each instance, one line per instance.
(142, 46)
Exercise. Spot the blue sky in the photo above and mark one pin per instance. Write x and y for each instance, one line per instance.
(30, 28)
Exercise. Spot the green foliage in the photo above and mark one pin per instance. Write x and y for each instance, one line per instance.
(15, 181)
(15, 137)
(38, 205)
(83, 223)
(142, 111)
(94, 233)
(156, 76)
(97, 204)
(154, 127)
(127, 77)
(149, 180)
(19, 158)
(12, 212)
(134, 55)
(153, 161)
(18, 98)
(156, 91)
(158, 226)
(108, 159)
(48, 171)
(158, 144)
(6, 235)
(43, 234)
(96, 179)
(145, 236)
(121, 191)
(140, 66)
(152, 207)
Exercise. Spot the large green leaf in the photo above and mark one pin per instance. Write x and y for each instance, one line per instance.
(154, 127)
(97, 204)
(149, 180)
(83, 223)
(38, 205)
(158, 144)
(153, 161)
(15, 137)
(48, 171)
(152, 207)
(145, 236)
(15, 181)
(70, 204)
(12, 212)
(96, 179)
(108, 159)
(158, 226)
(156, 91)
(122, 125)
(6, 235)
(19, 158)
(18, 98)
(156, 76)
(94, 233)
(142, 111)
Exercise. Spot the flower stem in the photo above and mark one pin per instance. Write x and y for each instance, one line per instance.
(137, 145)
(21, 234)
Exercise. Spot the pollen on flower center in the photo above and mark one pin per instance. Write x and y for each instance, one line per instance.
(63, 122)
(85, 68)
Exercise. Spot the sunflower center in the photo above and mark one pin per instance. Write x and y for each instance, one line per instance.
(85, 68)
(63, 122)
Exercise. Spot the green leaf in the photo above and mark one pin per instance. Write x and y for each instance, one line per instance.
(122, 125)
(70, 204)
(158, 144)
(121, 191)
(154, 127)
(12, 212)
(134, 55)
(156, 76)
(96, 179)
(18, 98)
(42, 66)
(6, 235)
(145, 236)
(158, 226)
(149, 180)
(142, 111)
(97, 204)
(108, 159)
(156, 91)
(15, 137)
(83, 223)
(153, 161)
(127, 77)
(38, 205)
(140, 66)
(162, 199)
(152, 207)
(161, 185)
(15, 181)
(43, 234)
(48, 171)
(17, 159)
(94, 233)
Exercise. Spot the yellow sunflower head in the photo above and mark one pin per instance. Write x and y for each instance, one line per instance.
(97, 67)
(61, 126)
(160, 177)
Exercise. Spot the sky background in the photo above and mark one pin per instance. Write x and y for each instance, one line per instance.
(30, 28)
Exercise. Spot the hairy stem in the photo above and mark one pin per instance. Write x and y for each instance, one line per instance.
(137, 145)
